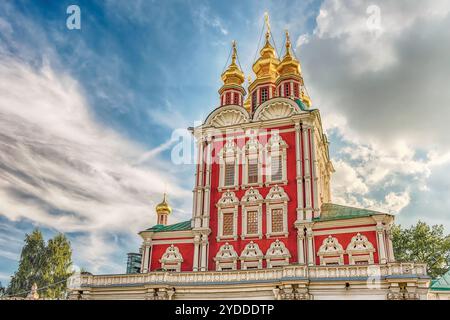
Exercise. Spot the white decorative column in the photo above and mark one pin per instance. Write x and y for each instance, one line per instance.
(310, 246)
(198, 197)
(314, 173)
(306, 161)
(391, 256)
(381, 243)
(197, 243)
(204, 254)
(301, 245)
(207, 188)
(298, 157)
(146, 256)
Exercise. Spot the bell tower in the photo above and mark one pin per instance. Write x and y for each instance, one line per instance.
(232, 92)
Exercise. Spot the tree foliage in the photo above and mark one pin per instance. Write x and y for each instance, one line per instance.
(424, 244)
(46, 265)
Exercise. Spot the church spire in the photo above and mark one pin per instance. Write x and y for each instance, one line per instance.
(162, 211)
(232, 91)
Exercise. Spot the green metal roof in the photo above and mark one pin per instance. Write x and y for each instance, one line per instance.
(442, 283)
(181, 226)
(330, 211)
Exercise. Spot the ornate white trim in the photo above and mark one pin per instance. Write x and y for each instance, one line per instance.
(253, 150)
(331, 252)
(277, 255)
(227, 116)
(360, 249)
(226, 258)
(251, 201)
(276, 109)
(171, 259)
(251, 256)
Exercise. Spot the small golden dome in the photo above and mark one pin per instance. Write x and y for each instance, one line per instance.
(233, 75)
(289, 65)
(267, 63)
(164, 207)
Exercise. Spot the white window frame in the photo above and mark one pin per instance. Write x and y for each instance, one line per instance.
(229, 154)
(228, 262)
(357, 252)
(335, 256)
(277, 199)
(252, 201)
(171, 259)
(253, 261)
(228, 203)
(276, 146)
(253, 149)
(280, 258)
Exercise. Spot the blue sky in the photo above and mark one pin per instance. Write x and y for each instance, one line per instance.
(87, 116)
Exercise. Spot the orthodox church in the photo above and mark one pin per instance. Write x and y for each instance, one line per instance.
(263, 222)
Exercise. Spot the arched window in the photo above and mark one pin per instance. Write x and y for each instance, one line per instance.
(251, 257)
(226, 258)
(277, 160)
(228, 158)
(252, 214)
(277, 211)
(277, 255)
(360, 250)
(228, 98)
(171, 259)
(228, 215)
(236, 98)
(331, 252)
(287, 89)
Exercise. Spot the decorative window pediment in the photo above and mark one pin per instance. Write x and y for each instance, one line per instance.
(171, 259)
(275, 110)
(331, 252)
(226, 258)
(252, 196)
(276, 142)
(251, 256)
(277, 194)
(228, 199)
(277, 254)
(360, 250)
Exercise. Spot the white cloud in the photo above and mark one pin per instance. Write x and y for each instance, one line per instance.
(61, 169)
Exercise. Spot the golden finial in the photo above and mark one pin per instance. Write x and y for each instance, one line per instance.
(267, 21)
(234, 55)
(249, 79)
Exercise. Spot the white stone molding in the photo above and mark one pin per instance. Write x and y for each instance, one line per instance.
(389, 237)
(331, 252)
(228, 203)
(251, 201)
(299, 172)
(276, 199)
(277, 255)
(276, 146)
(172, 259)
(251, 257)
(253, 150)
(229, 154)
(276, 109)
(226, 258)
(227, 116)
(360, 249)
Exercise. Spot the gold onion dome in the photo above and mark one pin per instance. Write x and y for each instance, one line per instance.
(289, 65)
(233, 75)
(164, 207)
(267, 63)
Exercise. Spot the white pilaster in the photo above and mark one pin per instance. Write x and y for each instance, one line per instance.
(301, 245)
(146, 257)
(309, 238)
(306, 159)
(298, 156)
(196, 252)
(381, 243)
(314, 173)
(204, 254)
(207, 189)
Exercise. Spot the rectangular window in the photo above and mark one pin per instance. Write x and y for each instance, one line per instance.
(287, 89)
(264, 94)
(277, 220)
(254, 100)
(252, 222)
(296, 90)
(236, 98)
(229, 174)
(279, 91)
(228, 224)
(276, 168)
(228, 98)
(252, 170)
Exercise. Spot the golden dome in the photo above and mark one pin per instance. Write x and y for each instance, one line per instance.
(164, 207)
(289, 65)
(267, 63)
(233, 75)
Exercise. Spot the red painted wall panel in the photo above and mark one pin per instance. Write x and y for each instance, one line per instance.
(186, 250)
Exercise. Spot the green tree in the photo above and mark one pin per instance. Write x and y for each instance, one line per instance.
(31, 265)
(2, 290)
(424, 244)
(57, 269)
